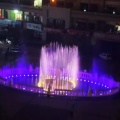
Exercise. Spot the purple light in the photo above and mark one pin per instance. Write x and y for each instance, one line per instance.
(24, 89)
(61, 66)
(60, 91)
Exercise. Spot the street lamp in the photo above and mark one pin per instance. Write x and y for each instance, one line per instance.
(53, 1)
(15, 11)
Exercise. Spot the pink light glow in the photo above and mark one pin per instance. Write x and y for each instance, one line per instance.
(60, 62)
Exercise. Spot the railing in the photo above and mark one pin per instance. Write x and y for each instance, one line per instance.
(86, 75)
(107, 37)
(13, 71)
(59, 92)
(8, 74)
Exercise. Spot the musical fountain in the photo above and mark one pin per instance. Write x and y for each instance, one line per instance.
(59, 73)
(59, 67)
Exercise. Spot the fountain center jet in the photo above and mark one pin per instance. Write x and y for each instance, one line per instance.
(59, 67)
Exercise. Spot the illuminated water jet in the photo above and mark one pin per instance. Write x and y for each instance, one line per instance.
(59, 67)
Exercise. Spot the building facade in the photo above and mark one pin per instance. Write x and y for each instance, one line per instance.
(94, 15)
(108, 6)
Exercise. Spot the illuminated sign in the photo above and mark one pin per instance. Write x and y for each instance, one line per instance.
(37, 3)
(33, 26)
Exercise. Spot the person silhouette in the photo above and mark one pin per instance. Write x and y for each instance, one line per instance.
(90, 91)
(49, 88)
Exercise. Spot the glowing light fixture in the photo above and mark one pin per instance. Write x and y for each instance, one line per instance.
(16, 11)
(113, 12)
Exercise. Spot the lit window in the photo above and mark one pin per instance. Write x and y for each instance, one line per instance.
(37, 3)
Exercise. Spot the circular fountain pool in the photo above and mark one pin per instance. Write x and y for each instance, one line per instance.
(87, 85)
(58, 74)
